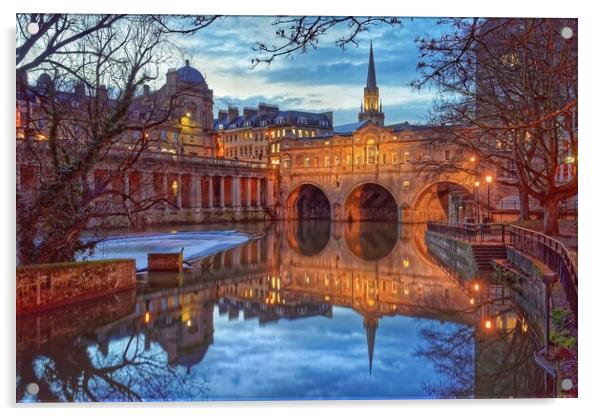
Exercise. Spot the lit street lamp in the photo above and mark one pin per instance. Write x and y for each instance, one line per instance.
(488, 179)
(478, 208)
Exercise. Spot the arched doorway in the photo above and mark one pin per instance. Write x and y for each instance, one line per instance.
(445, 201)
(370, 202)
(307, 201)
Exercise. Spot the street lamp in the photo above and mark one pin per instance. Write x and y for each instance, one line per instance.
(478, 208)
(488, 179)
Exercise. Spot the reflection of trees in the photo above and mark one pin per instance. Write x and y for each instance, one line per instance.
(497, 364)
(451, 353)
(81, 371)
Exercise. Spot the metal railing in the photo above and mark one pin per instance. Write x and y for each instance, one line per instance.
(553, 254)
(549, 251)
(471, 233)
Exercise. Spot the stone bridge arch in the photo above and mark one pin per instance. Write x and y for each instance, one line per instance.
(370, 201)
(442, 199)
(307, 200)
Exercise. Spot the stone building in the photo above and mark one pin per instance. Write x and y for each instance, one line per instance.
(254, 134)
(189, 129)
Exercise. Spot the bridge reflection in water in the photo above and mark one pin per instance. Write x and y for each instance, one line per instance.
(360, 311)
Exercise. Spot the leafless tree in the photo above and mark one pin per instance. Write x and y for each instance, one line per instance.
(298, 34)
(106, 59)
(508, 97)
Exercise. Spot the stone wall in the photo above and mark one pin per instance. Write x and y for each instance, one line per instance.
(46, 286)
(525, 276)
(455, 255)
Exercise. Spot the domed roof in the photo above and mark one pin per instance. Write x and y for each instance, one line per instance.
(190, 75)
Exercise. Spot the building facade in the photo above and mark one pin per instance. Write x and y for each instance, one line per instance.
(255, 134)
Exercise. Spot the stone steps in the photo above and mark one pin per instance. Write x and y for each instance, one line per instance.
(485, 253)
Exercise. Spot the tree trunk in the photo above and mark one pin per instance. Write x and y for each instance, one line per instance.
(524, 213)
(550, 217)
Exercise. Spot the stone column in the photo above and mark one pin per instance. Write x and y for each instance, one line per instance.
(210, 193)
(236, 191)
(258, 181)
(269, 192)
(165, 193)
(179, 191)
(221, 191)
(248, 201)
(196, 191)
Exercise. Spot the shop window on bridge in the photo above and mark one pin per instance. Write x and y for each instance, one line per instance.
(370, 152)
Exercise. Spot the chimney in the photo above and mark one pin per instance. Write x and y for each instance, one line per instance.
(328, 115)
(267, 109)
(80, 90)
(101, 92)
(232, 113)
(249, 111)
(171, 80)
(145, 90)
(222, 114)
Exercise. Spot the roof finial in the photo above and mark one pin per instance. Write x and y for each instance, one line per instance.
(187, 62)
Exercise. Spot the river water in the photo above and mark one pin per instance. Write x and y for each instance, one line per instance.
(310, 310)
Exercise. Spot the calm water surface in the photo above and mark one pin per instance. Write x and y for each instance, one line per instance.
(311, 310)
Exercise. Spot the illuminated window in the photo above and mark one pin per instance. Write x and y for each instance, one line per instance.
(406, 157)
(447, 155)
(337, 161)
(406, 185)
(306, 162)
(327, 161)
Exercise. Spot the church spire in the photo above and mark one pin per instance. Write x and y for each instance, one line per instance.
(371, 81)
(371, 110)
(370, 324)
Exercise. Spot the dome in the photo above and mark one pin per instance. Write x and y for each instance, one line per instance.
(190, 75)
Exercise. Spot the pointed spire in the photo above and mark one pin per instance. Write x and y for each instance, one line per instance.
(371, 82)
(370, 324)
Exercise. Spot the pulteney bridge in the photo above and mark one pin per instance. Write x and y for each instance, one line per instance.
(372, 173)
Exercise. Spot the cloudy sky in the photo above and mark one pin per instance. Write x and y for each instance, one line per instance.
(324, 79)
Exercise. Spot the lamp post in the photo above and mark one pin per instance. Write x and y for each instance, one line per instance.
(478, 208)
(488, 179)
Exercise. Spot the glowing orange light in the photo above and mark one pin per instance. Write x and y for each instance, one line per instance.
(488, 178)
(477, 183)
(472, 158)
(488, 324)
(146, 317)
(476, 287)
(472, 301)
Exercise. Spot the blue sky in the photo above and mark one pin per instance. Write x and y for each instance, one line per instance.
(323, 79)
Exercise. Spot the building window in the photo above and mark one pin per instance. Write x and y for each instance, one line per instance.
(337, 161)
(394, 157)
(406, 157)
(371, 155)
(446, 154)
(306, 162)
(406, 185)
(327, 161)
(163, 135)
